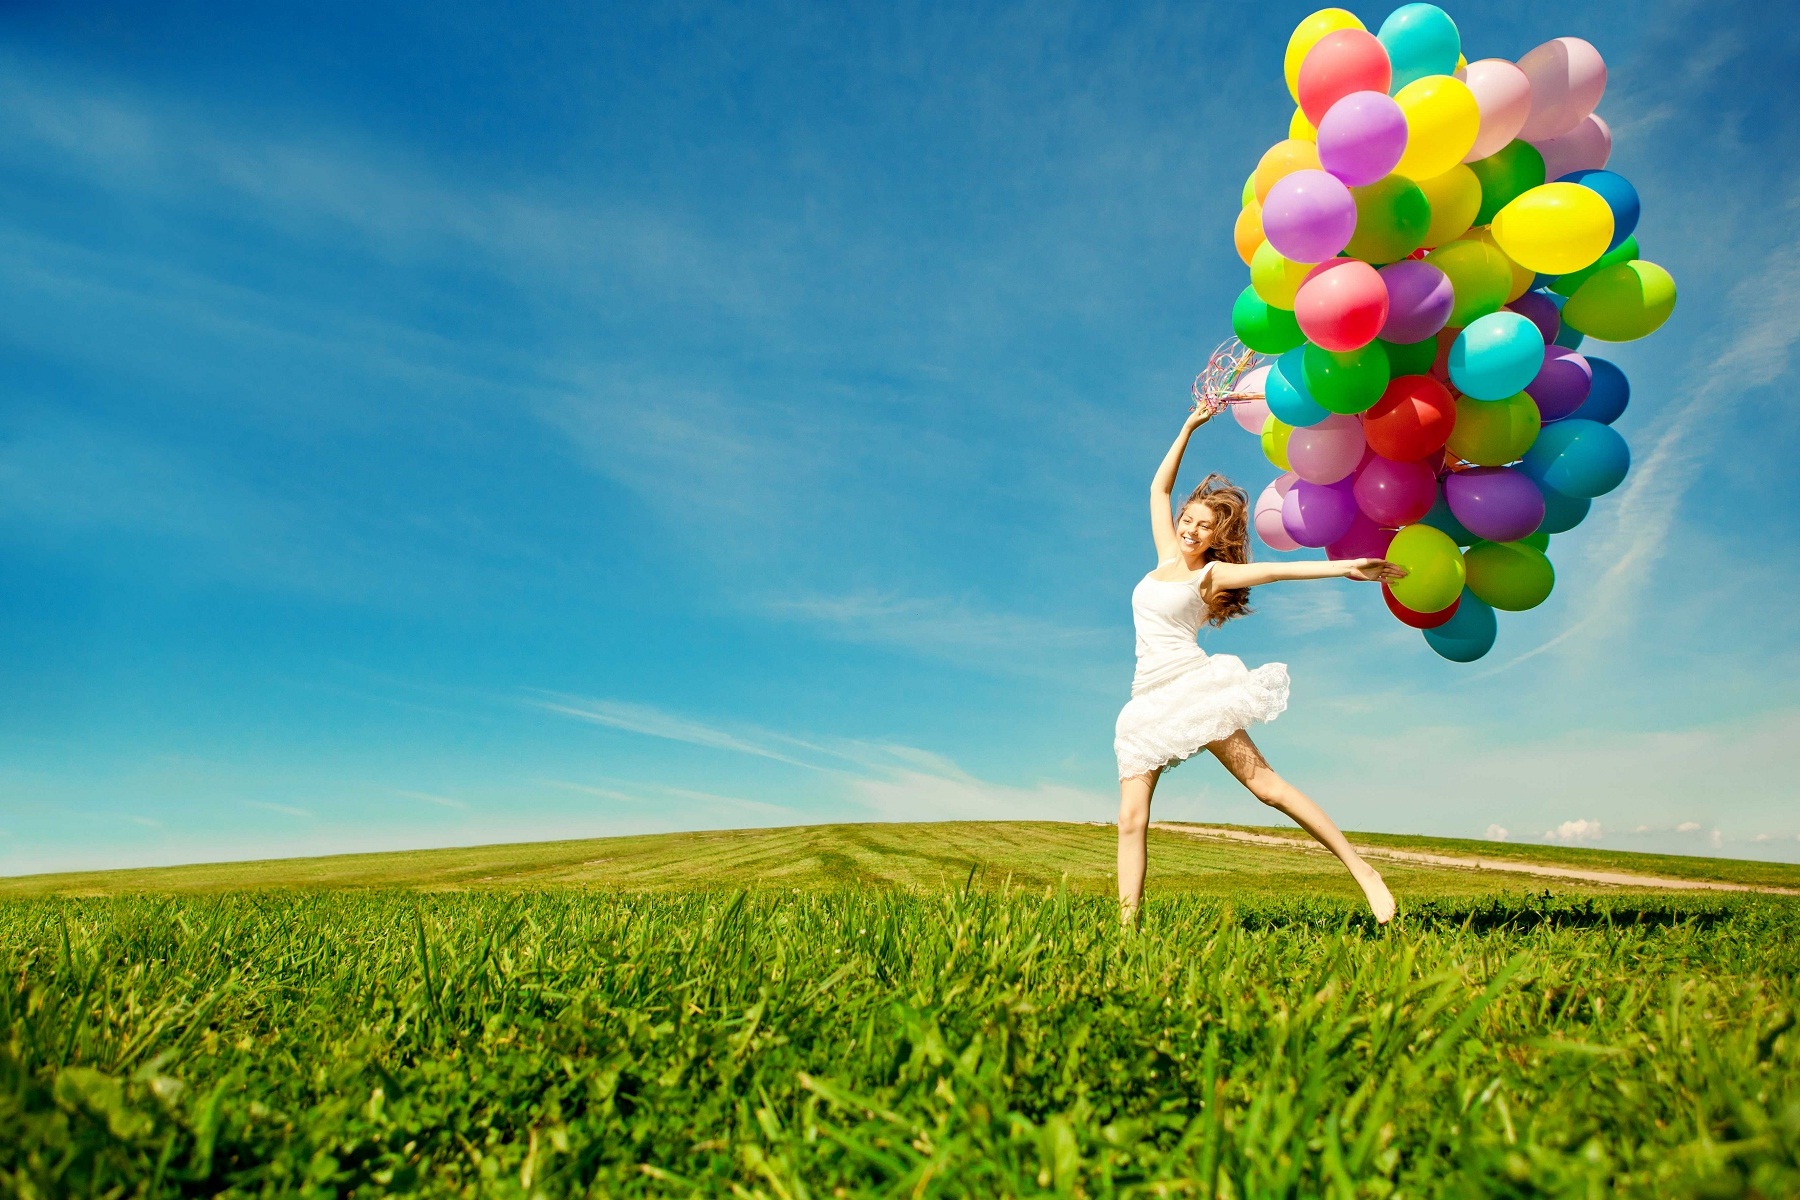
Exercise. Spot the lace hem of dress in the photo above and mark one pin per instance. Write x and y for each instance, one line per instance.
(1168, 725)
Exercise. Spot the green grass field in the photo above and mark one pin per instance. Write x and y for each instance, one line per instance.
(888, 1010)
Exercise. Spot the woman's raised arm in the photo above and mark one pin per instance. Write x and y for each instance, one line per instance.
(1162, 487)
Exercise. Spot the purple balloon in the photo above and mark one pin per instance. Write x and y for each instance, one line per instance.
(1362, 137)
(1420, 298)
(1496, 503)
(1309, 216)
(1318, 514)
(1366, 539)
(1562, 383)
(1542, 311)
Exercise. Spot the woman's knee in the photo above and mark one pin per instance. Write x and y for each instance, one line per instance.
(1270, 788)
(1133, 818)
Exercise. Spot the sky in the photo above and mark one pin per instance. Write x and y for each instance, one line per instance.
(444, 424)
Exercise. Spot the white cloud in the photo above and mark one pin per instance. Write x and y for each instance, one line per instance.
(1495, 833)
(429, 798)
(1581, 830)
(286, 810)
(655, 722)
(957, 630)
(1687, 827)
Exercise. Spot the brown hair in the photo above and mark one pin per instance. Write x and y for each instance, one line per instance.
(1230, 506)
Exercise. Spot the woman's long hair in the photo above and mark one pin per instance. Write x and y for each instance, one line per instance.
(1230, 506)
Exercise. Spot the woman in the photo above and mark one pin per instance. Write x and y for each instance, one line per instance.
(1184, 700)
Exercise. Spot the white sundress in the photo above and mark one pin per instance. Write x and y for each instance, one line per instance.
(1182, 697)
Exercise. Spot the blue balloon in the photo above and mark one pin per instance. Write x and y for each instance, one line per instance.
(1609, 395)
(1562, 513)
(1442, 519)
(1496, 356)
(1578, 458)
(1619, 195)
(1420, 40)
(1285, 393)
(1468, 634)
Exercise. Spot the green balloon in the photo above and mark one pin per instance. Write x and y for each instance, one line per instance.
(1622, 303)
(1568, 285)
(1410, 358)
(1492, 433)
(1513, 576)
(1434, 569)
(1263, 327)
(1480, 278)
(1392, 217)
(1539, 541)
(1505, 175)
(1249, 192)
(1347, 382)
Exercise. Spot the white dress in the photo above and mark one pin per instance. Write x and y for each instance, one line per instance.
(1182, 697)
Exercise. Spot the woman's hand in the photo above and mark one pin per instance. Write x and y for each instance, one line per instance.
(1372, 570)
(1200, 415)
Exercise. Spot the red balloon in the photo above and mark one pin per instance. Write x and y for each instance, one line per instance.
(1440, 366)
(1342, 304)
(1418, 620)
(1396, 493)
(1412, 420)
(1349, 60)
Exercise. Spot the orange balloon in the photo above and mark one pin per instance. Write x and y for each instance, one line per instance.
(1283, 159)
(1249, 231)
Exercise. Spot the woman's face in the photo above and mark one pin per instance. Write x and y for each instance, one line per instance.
(1195, 529)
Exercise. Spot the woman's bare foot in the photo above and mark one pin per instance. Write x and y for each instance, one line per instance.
(1381, 901)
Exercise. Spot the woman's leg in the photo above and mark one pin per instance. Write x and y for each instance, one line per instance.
(1134, 831)
(1244, 760)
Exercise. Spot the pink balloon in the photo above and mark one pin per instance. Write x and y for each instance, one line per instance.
(1341, 305)
(1252, 413)
(1267, 518)
(1503, 94)
(1309, 216)
(1395, 493)
(1318, 514)
(1362, 138)
(1584, 148)
(1420, 300)
(1328, 451)
(1568, 77)
(1366, 539)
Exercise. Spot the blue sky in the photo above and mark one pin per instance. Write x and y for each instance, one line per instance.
(432, 425)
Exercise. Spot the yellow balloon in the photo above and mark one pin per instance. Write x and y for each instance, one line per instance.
(1554, 228)
(1275, 278)
(1249, 192)
(1306, 35)
(1522, 277)
(1248, 233)
(1492, 433)
(1442, 120)
(1480, 276)
(1284, 158)
(1275, 437)
(1300, 129)
(1455, 198)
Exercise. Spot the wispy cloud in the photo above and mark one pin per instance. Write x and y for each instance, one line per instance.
(431, 798)
(286, 810)
(956, 630)
(659, 723)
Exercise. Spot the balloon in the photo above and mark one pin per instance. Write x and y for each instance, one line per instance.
(1410, 358)
(1421, 40)
(1349, 60)
(1301, 129)
(1509, 575)
(1455, 198)
(1444, 521)
(1586, 147)
(1569, 337)
(1519, 280)
(1392, 216)
(1568, 77)
(1275, 436)
(1619, 195)
(1434, 566)
(1248, 196)
(1281, 160)
(1262, 327)
(1542, 311)
(1503, 94)
(1288, 397)
(1622, 303)
(1441, 123)
(1505, 175)
(1420, 299)
(1247, 234)
(1579, 458)
(1496, 503)
(1275, 278)
(1469, 634)
(1561, 513)
(1496, 356)
(1318, 514)
(1267, 517)
(1418, 620)
(1607, 398)
(1562, 383)
(1362, 137)
(1413, 418)
(1251, 414)
(1556, 228)
(1309, 216)
(1568, 285)
(1492, 433)
(1365, 540)
(1341, 306)
(1326, 452)
(1306, 35)
(1480, 277)
(1392, 492)
(1348, 381)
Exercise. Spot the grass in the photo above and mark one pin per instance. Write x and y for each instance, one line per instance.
(874, 1027)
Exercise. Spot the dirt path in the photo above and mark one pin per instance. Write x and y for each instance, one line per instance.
(1618, 878)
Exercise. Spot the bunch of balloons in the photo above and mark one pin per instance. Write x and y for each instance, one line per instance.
(1428, 249)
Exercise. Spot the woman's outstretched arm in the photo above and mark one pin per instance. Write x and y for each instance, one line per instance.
(1227, 576)
(1162, 487)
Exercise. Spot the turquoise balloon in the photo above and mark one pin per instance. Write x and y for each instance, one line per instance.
(1496, 356)
(1561, 513)
(1420, 40)
(1441, 518)
(1582, 459)
(1468, 634)
(1285, 393)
